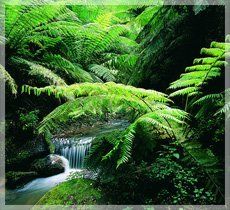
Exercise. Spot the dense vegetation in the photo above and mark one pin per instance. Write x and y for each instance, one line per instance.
(68, 64)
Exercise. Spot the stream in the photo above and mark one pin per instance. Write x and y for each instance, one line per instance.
(72, 151)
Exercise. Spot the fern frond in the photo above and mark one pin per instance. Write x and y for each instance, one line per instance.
(74, 71)
(158, 119)
(203, 70)
(210, 98)
(126, 145)
(185, 91)
(40, 71)
(104, 20)
(125, 45)
(183, 83)
(124, 61)
(196, 78)
(89, 89)
(221, 45)
(8, 79)
(146, 15)
(102, 72)
(28, 19)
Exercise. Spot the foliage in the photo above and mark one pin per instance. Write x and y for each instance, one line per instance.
(164, 178)
(205, 101)
(30, 120)
(70, 56)
(9, 80)
(194, 84)
(103, 72)
(182, 182)
(150, 106)
(58, 48)
(25, 41)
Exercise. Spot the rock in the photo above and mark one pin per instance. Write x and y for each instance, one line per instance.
(48, 166)
(72, 192)
(16, 179)
(19, 157)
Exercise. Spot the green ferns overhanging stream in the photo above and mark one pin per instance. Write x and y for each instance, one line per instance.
(68, 66)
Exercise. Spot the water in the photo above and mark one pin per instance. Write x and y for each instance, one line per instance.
(72, 151)
(76, 148)
(34, 190)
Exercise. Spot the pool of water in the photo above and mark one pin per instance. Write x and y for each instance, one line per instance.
(34, 190)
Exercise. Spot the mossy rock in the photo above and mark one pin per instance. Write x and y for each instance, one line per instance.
(48, 166)
(19, 178)
(73, 192)
(19, 157)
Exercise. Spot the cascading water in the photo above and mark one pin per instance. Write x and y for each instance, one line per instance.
(34, 190)
(73, 149)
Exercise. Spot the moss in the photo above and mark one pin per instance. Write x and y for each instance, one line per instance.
(48, 166)
(17, 179)
(73, 192)
(48, 137)
(19, 157)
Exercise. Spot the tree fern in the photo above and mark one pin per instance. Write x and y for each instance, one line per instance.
(70, 69)
(8, 79)
(201, 101)
(97, 99)
(126, 45)
(37, 70)
(58, 48)
(123, 64)
(143, 19)
(27, 20)
(89, 89)
(102, 72)
(163, 120)
(43, 28)
(193, 84)
(96, 39)
(203, 70)
(207, 162)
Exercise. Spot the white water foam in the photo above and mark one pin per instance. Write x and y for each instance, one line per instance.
(49, 182)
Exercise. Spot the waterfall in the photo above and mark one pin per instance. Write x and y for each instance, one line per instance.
(74, 150)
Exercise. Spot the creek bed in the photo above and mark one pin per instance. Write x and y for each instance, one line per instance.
(72, 151)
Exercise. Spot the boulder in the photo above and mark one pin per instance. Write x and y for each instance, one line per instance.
(20, 155)
(48, 166)
(15, 179)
